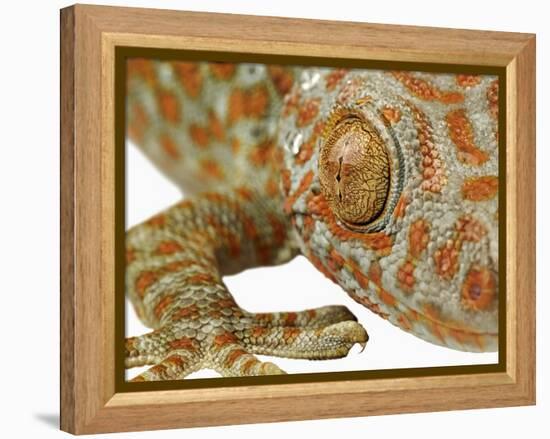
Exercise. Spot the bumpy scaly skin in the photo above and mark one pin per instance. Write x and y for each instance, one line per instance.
(246, 145)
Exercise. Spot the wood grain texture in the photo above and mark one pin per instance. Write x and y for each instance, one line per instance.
(67, 253)
(89, 36)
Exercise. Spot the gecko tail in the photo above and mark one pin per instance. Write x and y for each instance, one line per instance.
(207, 125)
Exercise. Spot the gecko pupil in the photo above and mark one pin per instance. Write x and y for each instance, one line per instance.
(354, 170)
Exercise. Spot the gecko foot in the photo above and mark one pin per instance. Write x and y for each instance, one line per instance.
(226, 339)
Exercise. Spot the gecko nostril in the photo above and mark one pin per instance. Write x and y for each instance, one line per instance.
(475, 292)
(479, 289)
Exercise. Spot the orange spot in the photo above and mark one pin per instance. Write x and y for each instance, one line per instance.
(446, 259)
(361, 279)
(405, 276)
(426, 91)
(480, 188)
(226, 303)
(282, 78)
(479, 289)
(460, 336)
(391, 114)
(245, 193)
(291, 102)
(215, 127)
(334, 77)
(285, 179)
(224, 339)
(413, 315)
(290, 333)
(130, 256)
(138, 123)
(492, 98)
(215, 314)
(307, 112)
(248, 365)
(469, 229)
(199, 135)
(257, 102)
(432, 167)
(264, 317)
(375, 272)
(161, 306)
(303, 186)
(176, 360)
(201, 278)
(321, 267)
(386, 297)
(462, 134)
(431, 312)
(211, 169)
(307, 228)
(144, 281)
(143, 68)
(169, 146)
(248, 103)
(223, 71)
(468, 80)
(157, 220)
(183, 343)
(374, 307)
(233, 356)
(169, 106)
(290, 318)
(189, 76)
(215, 197)
(236, 105)
(418, 237)
(179, 265)
(438, 330)
(278, 230)
(158, 370)
(262, 153)
(272, 188)
(404, 322)
(185, 204)
(307, 148)
(258, 331)
(138, 379)
(168, 248)
(336, 260)
(190, 311)
(401, 206)
(235, 145)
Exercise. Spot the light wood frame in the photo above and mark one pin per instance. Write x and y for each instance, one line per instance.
(89, 36)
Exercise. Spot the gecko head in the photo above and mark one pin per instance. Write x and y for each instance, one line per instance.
(383, 203)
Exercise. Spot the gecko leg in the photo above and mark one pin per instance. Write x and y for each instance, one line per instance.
(311, 318)
(175, 264)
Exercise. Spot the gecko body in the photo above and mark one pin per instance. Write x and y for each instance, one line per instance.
(386, 181)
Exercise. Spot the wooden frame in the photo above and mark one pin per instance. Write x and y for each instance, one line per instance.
(90, 35)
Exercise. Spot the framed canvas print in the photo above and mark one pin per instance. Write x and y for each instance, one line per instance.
(273, 219)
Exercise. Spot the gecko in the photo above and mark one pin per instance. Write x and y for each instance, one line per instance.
(386, 181)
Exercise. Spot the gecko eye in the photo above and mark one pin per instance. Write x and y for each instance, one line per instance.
(354, 169)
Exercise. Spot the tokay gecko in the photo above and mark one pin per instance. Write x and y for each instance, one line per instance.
(386, 181)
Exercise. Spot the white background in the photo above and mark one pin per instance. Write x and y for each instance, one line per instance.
(29, 224)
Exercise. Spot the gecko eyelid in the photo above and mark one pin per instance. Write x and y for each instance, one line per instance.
(354, 169)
